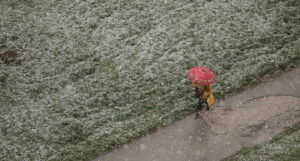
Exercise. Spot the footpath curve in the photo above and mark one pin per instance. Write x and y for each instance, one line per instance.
(246, 119)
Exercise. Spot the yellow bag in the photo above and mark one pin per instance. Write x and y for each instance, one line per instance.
(210, 100)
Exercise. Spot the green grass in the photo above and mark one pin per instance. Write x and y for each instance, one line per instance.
(95, 74)
(285, 147)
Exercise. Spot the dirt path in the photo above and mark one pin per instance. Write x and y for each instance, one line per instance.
(246, 119)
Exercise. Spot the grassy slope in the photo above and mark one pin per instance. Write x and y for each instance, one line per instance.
(285, 147)
(96, 73)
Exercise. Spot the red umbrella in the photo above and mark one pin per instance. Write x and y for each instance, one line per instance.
(202, 76)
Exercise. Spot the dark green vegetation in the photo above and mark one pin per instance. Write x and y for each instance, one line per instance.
(90, 75)
(285, 147)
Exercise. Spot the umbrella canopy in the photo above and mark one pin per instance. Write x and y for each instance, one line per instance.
(202, 76)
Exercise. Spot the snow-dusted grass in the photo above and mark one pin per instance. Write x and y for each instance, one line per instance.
(285, 147)
(97, 73)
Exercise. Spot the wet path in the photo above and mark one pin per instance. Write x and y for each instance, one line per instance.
(249, 118)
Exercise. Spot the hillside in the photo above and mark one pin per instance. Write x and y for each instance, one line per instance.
(87, 76)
